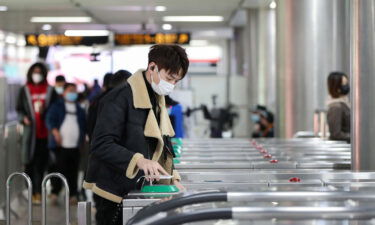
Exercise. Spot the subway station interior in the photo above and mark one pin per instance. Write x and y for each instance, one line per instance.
(161, 112)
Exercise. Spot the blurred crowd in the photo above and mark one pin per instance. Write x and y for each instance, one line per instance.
(58, 122)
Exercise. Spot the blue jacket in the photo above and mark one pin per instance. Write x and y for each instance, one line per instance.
(55, 117)
(178, 122)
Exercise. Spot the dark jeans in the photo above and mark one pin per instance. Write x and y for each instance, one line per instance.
(38, 165)
(107, 212)
(52, 168)
(67, 161)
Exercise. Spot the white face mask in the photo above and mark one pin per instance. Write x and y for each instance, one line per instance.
(37, 78)
(59, 90)
(163, 88)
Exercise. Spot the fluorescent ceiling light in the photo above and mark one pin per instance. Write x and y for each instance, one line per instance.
(160, 8)
(86, 33)
(21, 42)
(167, 27)
(3, 8)
(198, 42)
(60, 19)
(193, 18)
(46, 27)
(10, 39)
(273, 5)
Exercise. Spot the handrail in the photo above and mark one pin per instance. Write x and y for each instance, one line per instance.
(262, 213)
(248, 196)
(30, 193)
(299, 195)
(44, 197)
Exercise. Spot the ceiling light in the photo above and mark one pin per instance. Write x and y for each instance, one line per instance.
(193, 18)
(46, 27)
(198, 42)
(60, 19)
(21, 42)
(10, 39)
(3, 8)
(160, 8)
(86, 33)
(167, 27)
(273, 5)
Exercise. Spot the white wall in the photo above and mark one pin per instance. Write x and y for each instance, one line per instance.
(203, 87)
(15, 58)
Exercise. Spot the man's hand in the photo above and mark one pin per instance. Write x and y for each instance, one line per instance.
(152, 169)
(179, 185)
(56, 134)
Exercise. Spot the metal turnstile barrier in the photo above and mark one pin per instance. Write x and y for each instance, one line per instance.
(30, 194)
(84, 213)
(44, 197)
(157, 214)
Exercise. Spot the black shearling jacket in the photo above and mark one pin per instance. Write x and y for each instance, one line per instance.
(126, 123)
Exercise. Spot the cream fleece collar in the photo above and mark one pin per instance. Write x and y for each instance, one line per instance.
(141, 100)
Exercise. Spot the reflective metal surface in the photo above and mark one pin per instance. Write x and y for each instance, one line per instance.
(44, 197)
(240, 165)
(8, 198)
(312, 40)
(362, 82)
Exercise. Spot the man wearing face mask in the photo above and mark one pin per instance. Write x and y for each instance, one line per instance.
(59, 84)
(52, 167)
(131, 138)
(32, 103)
(338, 115)
(66, 123)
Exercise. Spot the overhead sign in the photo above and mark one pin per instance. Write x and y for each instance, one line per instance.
(43, 40)
(157, 38)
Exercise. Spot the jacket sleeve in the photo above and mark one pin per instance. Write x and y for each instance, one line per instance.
(84, 121)
(52, 120)
(334, 118)
(21, 112)
(52, 100)
(91, 118)
(109, 129)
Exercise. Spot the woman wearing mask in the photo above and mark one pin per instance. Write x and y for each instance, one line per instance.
(33, 101)
(338, 115)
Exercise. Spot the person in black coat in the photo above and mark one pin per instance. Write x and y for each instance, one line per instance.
(113, 81)
(131, 138)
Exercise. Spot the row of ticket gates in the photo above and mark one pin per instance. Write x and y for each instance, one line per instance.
(241, 181)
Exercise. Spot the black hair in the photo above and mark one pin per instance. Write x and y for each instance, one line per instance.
(334, 82)
(171, 58)
(67, 85)
(119, 77)
(107, 80)
(261, 108)
(43, 69)
(60, 78)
